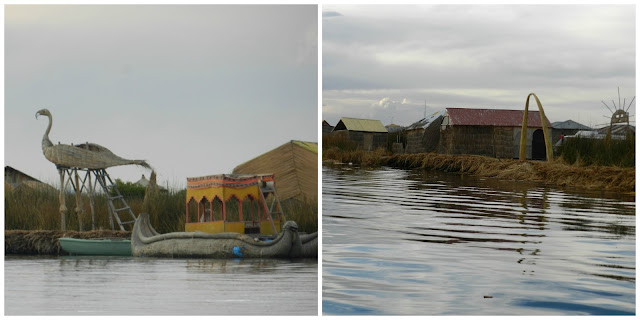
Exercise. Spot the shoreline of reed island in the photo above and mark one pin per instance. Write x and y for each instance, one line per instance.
(556, 172)
(45, 242)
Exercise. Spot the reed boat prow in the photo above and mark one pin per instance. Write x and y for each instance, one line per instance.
(306, 246)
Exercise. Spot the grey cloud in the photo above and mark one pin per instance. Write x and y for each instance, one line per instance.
(572, 54)
(158, 82)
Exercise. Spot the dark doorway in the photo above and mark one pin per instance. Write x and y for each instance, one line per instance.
(538, 150)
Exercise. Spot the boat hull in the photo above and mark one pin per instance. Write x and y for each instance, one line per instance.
(306, 246)
(96, 247)
(146, 242)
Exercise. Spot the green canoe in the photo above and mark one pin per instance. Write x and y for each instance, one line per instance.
(96, 247)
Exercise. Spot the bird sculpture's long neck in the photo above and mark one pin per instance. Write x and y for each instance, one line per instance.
(45, 139)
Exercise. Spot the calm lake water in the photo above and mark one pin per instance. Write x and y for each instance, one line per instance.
(146, 286)
(433, 243)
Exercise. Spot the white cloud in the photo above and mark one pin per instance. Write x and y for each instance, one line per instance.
(384, 102)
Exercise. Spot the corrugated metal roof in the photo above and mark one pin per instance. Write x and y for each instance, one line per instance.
(619, 129)
(425, 122)
(493, 117)
(366, 125)
(569, 124)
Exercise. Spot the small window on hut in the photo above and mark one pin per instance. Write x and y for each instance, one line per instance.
(233, 209)
(192, 211)
(205, 210)
(250, 210)
(217, 209)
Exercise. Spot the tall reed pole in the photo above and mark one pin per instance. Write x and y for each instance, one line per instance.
(545, 130)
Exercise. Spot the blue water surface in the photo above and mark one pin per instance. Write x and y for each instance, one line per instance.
(398, 242)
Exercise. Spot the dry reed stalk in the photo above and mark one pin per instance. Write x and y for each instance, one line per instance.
(550, 172)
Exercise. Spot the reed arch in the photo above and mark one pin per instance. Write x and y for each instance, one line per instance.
(545, 130)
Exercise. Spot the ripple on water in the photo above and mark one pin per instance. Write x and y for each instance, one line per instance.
(414, 242)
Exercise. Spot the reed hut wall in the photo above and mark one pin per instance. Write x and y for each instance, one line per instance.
(476, 140)
(295, 167)
(421, 140)
(367, 141)
(414, 141)
(497, 142)
(504, 143)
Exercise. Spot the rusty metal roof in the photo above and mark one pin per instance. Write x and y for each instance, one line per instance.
(493, 117)
(366, 125)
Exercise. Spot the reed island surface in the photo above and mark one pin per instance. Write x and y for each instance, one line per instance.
(554, 173)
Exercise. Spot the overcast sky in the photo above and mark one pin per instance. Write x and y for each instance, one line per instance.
(194, 90)
(383, 62)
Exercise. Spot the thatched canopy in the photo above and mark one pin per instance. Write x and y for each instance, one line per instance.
(295, 167)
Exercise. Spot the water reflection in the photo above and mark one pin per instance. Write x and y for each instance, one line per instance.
(253, 266)
(402, 242)
(76, 285)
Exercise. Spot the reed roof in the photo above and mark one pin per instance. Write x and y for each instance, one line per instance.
(294, 166)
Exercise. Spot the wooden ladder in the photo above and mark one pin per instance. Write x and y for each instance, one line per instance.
(113, 195)
(265, 190)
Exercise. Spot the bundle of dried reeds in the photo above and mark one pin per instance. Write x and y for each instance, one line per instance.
(45, 242)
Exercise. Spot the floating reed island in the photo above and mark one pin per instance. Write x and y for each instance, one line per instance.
(45, 242)
(554, 172)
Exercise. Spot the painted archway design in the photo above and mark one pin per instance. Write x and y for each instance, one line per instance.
(545, 130)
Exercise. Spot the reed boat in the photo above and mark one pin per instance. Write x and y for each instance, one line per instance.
(227, 216)
(146, 242)
(96, 247)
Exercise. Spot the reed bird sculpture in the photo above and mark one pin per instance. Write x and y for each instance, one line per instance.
(90, 157)
(82, 156)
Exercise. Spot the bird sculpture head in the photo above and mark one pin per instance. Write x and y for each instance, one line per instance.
(43, 112)
(45, 139)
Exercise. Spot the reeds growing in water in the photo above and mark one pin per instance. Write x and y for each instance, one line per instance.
(38, 209)
(602, 152)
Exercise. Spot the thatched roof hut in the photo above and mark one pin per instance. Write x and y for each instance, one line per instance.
(15, 179)
(295, 166)
(366, 133)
